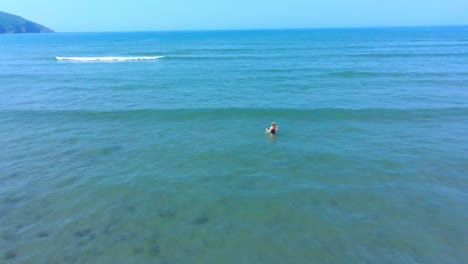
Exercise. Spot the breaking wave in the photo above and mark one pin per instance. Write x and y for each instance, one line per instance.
(94, 59)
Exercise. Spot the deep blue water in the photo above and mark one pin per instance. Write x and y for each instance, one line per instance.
(149, 147)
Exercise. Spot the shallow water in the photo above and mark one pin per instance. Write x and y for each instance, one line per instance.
(166, 160)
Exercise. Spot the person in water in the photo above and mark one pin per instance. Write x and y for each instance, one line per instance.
(273, 128)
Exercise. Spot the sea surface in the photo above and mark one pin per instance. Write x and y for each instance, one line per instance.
(150, 147)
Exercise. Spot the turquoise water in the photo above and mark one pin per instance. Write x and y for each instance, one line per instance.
(150, 147)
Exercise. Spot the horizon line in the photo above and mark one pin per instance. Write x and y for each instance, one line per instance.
(270, 29)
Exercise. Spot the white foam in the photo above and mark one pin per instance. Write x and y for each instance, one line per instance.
(108, 58)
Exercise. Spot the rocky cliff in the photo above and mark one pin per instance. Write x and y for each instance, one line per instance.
(10, 24)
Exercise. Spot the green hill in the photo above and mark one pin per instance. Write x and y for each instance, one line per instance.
(10, 24)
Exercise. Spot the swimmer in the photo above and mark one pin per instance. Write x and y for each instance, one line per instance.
(272, 129)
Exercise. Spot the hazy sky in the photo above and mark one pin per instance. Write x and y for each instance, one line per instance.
(129, 15)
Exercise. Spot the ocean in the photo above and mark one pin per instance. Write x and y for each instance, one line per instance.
(150, 147)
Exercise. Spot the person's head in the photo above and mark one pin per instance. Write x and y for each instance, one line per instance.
(273, 124)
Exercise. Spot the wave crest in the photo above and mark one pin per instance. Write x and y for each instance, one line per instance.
(98, 59)
(317, 114)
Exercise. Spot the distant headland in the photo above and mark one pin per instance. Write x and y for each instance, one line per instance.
(12, 24)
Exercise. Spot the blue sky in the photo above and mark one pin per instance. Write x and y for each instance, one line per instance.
(130, 15)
